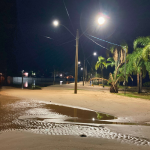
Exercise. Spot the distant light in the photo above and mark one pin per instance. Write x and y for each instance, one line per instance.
(55, 23)
(81, 68)
(26, 84)
(94, 53)
(93, 119)
(79, 62)
(101, 20)
(26, 74)
(60, 75)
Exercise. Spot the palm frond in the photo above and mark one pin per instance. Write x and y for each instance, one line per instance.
(142, 41)
(146, 52)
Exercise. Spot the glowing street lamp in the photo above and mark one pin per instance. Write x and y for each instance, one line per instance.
(79, 62)
(55, 23)
(101, 20)
(81, 68)
(94, 53)
(84, 66)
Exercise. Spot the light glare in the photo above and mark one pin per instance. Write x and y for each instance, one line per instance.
(94, 53)
(93, 119)
(101, 20)
(55, 23)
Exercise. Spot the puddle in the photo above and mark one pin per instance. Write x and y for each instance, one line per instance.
(65, 114)
(75, 115)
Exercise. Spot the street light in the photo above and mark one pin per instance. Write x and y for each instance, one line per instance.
(79, 62)
(81, 68)
(22, 77)
(101, 20)
(94, 54)
(55, 23)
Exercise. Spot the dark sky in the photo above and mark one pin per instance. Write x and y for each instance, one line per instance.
(125, 20)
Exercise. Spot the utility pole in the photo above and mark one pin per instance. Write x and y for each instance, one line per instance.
(84, 71)
(125, 74)
(54, 76)
(22, 78)
(76, 62)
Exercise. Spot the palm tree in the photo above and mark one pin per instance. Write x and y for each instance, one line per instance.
(117, 60)
(141, 62)
(144, 43)
(119, 53)
(116, 76)
(101, 63)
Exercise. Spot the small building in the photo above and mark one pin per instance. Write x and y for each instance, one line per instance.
(99, 81)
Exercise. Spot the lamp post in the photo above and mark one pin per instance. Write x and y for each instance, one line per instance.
(22, 77)
(101, 20)
(125, 73)
(76, 62)
(56, 23)
(84, 65)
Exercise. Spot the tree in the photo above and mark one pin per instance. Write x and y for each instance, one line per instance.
(117, 60)
(139, 60)
(116, 76)
(119, 53)
(101, 63)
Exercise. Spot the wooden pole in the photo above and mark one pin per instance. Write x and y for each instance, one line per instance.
(76, 62)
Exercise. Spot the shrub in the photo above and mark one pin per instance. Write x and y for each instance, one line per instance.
(146, 84)
(34, 87)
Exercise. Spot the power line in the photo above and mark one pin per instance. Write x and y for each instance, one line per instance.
(66, 42)
(105, 41)
(97, 43)
(68, 14)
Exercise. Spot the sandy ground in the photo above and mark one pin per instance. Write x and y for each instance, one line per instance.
(125, 108)
(29, 141)
(96, 98)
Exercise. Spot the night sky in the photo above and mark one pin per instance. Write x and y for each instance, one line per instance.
(26, 24)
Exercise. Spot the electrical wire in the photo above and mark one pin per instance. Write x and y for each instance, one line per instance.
(105, 41)
(68, 14)
(97, 43)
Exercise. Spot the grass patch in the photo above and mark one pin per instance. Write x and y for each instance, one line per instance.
(35, 87)
(136, 95)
